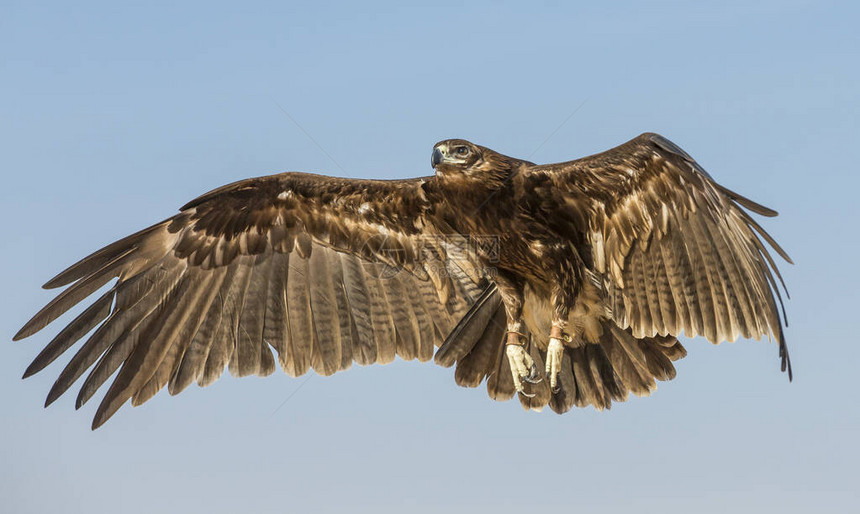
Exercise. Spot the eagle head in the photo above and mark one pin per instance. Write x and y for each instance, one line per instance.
(460, 160)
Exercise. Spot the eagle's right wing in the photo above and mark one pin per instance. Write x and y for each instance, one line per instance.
(326, 271)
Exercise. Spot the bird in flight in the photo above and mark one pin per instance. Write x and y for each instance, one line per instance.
(564, 284)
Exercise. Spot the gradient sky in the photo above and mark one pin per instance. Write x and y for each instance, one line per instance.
(113, 116)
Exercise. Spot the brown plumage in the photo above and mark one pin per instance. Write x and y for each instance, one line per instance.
(625, 250)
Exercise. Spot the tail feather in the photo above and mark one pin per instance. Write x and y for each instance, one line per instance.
(472, 368)
(591, 374)
(470, 329)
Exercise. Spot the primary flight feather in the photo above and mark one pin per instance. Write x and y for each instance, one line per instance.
(565, 284)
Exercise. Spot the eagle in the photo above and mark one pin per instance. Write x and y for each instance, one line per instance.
(562, 284)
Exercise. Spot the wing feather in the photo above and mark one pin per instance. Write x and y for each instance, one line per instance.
(723, 259)
(134, 307)
(687, 283)
(380, 314)
(194, 302)
(358, 299)
(678, 252)
(152, 345)
(703, 284)
(402, 317)
(290, 262)
(197, 339)
(326, 353)
(73, 332)
(442, 320)
(276, 324)
(347, 341)
(249, 330)
(73, 295)
(422, 325)
(190, 305)
(301, 322)
(715, 285)
(193, 366)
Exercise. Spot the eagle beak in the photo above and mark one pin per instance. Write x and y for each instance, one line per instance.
(437, 157)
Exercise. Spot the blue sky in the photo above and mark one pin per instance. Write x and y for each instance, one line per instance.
(113, 116)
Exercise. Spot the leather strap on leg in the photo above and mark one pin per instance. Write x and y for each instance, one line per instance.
(557, 333)
(515, 338)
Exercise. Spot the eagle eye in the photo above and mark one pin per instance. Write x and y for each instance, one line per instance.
(461, 151)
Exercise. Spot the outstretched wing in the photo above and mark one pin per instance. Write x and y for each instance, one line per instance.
(326, 271)
(677, 251)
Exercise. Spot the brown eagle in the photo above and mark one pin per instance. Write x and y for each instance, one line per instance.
(567, 284)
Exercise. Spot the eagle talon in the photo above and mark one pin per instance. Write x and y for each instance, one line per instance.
(554, 352)
(533, 376)
(522, 367)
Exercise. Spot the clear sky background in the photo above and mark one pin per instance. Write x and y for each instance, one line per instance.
(113, 116)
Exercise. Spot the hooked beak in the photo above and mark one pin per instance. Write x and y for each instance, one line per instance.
(437, 157)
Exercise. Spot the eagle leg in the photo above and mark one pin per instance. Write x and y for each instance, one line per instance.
(523, 367)
(563, 298)
(554, 352)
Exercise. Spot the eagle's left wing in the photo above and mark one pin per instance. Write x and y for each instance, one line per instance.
(325, 271)
(676, 251)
